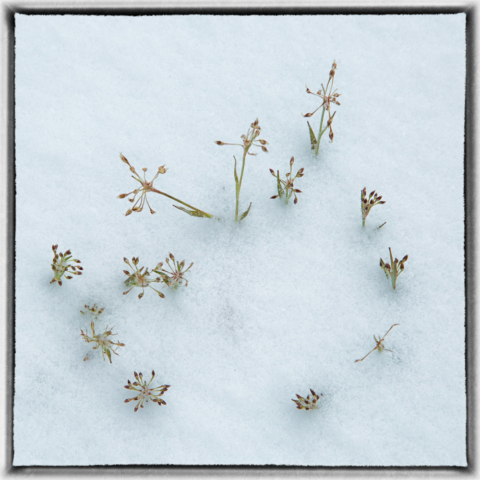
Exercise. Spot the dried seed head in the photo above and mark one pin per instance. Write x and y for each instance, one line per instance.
(218, 142)
(124, 160)
(264, 149)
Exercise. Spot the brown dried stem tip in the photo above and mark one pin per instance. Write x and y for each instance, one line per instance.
(94, 312)
(380, 347)
(63, 264)
(102, 341)
(145, 392)
(146, 187)
(308, 403)
(138, 278)
(174, 276)
(248, 140)
(368, 203)
(285, 188)
(328, 97)
(394, 268)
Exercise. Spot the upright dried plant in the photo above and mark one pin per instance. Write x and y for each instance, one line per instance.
(308, 403)
(368, 203)
(93, 312)
(102, 341)
(173, 277)
(395, 269)
(248, 141)
(145, 393)
(138, 278)
(285, 188)
(63, 264)
(328, 97)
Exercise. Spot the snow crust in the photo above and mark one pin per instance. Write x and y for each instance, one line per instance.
(284, 302)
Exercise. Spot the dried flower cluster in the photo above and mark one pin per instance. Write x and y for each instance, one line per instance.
(93, 312)
(174, 276)
(328, 97)
(308, 403)
(285, 188)
(146, 187)
(249, 140)
(380, 347)
(395, 269)
(102, 341)
(138, 278)
(64, 264)
(368, 203)
(145, 392)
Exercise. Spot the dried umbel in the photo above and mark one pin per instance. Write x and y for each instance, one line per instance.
(139, 195)
(249, 140)
(285, 188)
(173, 277)
(368, 203)
(145, 392)
(102, 341)
(380, 346)
(93, 312)
(328, 96)
(309, 403)
(394, 268)
(63, 265)
(138, 278)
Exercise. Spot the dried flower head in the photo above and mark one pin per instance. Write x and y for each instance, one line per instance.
(248, 140)
(308, 403)
(63, 264)
(174, 276)
(93, 312)
(368, 203)
(145, 392)
(328, 98)
(102, 341)
(138, 278)
(285, 188)
(380, 346)
(394, 268)
(142, 190)
(146, 187)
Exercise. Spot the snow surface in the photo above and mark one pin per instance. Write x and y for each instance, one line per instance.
(284, 302)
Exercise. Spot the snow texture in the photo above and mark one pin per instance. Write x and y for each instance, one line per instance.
(281, 303)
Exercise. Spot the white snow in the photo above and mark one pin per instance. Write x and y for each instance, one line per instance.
(284, 302)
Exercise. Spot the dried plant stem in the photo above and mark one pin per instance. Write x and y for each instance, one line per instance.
(238, 185)
(320, 131)
(183, 203)
(247, 141)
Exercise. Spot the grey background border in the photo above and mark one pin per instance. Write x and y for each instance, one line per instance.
(7, 212)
